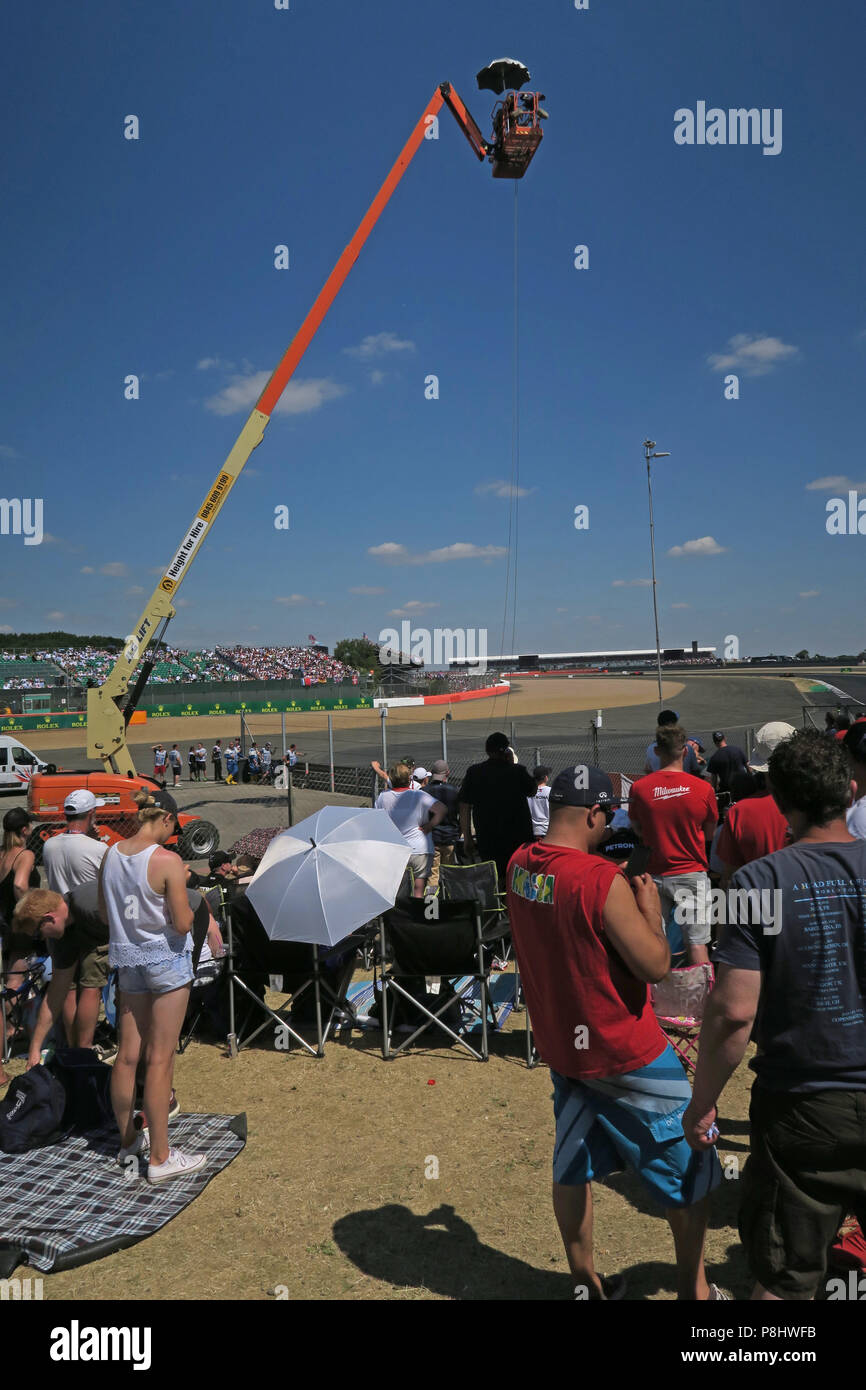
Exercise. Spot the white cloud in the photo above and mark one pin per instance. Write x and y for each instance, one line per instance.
(410, 609)
(4, 627)
(207, 364)
(501, 488)
(562, 610)
(378, 344)
(705, 545)
(298, 600)
(368, 590)
(632, 583)
(752, 355)
(135, 589)
(835, 482)
(810, 593)
(116, 569)
(299, 397)
(7, 452)
(681, 605)
(181, 602)
(55, 615)
(389, 550)
(7, 602)
(377, 377)
(461, 550)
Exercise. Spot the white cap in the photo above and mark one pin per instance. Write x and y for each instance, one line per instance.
(419, 774)
(768, 738)
(80, 802)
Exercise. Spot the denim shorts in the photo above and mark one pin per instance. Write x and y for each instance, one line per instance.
(160, 978)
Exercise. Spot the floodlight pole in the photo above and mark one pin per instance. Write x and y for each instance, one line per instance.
(650, 454)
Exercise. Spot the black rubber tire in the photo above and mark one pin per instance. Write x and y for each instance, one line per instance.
(51, 769)
(199, 840)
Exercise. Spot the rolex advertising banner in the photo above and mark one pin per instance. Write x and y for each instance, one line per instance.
(17, 723)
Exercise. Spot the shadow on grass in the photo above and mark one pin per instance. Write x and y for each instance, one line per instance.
(440, 1253)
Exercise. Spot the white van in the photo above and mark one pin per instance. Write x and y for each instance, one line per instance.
(17, 764)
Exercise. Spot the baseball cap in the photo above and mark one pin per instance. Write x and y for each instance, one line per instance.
(717, 736)
(157, 796)
(419, 774)
(78, 803)
(767, 740)
(439, 770)
(217, 859)
(569, 790)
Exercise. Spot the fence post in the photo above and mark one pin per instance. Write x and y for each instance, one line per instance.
(537, 762)
(750, 741)
(511, 739)
(594, 743)
(444, 724)
(331, 747)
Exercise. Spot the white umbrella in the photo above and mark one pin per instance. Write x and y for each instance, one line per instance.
(328, 875)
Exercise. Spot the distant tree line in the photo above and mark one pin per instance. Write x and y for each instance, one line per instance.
(46, 641)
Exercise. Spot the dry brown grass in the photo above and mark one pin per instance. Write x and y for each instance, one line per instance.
(330, 1200)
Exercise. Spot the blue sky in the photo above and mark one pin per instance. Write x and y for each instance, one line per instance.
(261, 127)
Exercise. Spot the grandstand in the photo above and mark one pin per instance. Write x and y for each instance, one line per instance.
(593, 661)
(73, 668)
(26, 674)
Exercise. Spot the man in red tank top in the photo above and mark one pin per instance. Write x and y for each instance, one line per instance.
(587, 944)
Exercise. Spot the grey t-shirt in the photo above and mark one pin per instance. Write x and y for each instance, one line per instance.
(809, 942)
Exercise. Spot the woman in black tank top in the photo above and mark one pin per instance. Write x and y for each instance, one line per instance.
(18, 873)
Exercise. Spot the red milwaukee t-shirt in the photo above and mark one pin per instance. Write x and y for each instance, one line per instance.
(753, 828)
(669, 808)
(590, 1015)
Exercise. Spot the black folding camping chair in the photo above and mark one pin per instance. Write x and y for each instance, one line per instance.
(317, 983)
(413, 946)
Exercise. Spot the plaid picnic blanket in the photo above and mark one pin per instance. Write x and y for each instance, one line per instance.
(69, 1203)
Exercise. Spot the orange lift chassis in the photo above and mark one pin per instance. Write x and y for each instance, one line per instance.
(110, 706)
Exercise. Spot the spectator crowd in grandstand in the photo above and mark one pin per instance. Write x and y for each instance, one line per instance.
(40, 669)
(285, 663)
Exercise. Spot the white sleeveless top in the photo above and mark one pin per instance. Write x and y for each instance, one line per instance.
(140, 932)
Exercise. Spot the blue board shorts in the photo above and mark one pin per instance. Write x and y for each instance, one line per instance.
(160, 978)
(606, 1124)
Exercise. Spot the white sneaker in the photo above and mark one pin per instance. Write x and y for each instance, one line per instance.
(137, 1149)
(177, 1165)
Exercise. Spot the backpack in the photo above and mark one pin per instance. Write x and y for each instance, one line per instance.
(31, 1114)
(86, 1084)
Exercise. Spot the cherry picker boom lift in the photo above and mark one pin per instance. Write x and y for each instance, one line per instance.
(516, 136)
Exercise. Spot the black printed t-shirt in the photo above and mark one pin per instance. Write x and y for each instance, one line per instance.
(811, 1023)
(497, 791)
(725, 764)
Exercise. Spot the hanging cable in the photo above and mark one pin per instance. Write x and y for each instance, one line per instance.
(514, 482)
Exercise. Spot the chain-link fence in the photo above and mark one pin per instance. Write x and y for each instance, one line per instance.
(615, 753)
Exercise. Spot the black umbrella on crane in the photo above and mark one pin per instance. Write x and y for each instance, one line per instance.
(503, 74)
